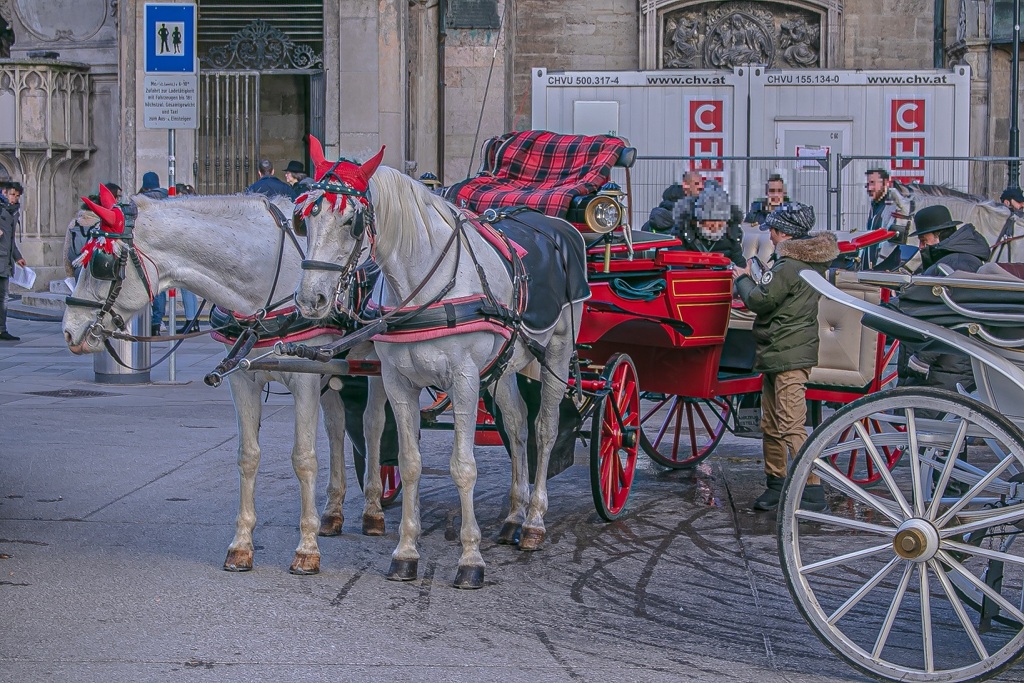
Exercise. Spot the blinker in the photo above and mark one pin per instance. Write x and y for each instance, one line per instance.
(104, 266)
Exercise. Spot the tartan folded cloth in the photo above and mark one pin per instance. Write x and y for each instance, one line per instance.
(544, 171)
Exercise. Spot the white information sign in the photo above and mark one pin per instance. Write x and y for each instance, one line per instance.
(170, 101)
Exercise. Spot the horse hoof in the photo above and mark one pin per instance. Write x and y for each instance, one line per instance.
(373, 526)
(305, 564)
(330, 524)
(509, 534)
(238, 561)
(531, 539)
(402, 570)
(469, 578)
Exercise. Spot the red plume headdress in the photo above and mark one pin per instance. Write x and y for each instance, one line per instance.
(337, 179)
(111, 222)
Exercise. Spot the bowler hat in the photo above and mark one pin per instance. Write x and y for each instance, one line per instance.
(1013, 194)
(295, 167)
(932, 219)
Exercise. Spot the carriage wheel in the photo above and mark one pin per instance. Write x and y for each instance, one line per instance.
(614, 438)
(920, 577)
(391, 479)
(857, 465)
(679, 431)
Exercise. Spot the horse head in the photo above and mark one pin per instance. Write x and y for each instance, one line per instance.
(339, 223)
(111, 288)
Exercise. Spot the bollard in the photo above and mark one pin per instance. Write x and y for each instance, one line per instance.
(136, 354)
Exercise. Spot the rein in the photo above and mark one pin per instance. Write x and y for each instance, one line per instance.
(96, 331)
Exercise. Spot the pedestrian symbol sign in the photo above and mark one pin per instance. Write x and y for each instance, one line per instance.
(170, 32)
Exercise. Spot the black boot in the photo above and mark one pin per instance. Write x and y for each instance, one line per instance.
(813, 498)
(769, 500)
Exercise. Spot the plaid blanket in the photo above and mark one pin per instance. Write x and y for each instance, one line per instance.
(542, 170)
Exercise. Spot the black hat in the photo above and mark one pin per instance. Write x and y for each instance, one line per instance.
(1012, 193)
(792, 218)
(932, 219)
(295, 167)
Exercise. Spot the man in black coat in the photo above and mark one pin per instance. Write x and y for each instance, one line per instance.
(946, 246)
(713, 225)
(269, 184)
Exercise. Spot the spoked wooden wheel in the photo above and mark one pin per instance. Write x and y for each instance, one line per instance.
(614, 438)
(679, 431)
(918, 578)
(857, 465)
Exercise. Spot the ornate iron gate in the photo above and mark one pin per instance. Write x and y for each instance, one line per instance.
(228, 144)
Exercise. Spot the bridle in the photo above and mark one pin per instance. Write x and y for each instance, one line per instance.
(363, 223)
(107, 266)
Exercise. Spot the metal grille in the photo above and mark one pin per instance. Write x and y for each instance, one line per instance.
(228, 147)
(300, 20)
(71, 393)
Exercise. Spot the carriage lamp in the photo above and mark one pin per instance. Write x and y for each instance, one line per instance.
(603, 214)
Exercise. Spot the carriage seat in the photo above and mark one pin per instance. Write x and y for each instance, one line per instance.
(542, 170)
(992, 291)
(846, 348)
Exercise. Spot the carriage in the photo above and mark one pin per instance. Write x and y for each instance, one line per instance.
(679, 306)
(666, 351)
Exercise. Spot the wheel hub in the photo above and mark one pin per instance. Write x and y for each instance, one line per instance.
(916, 540)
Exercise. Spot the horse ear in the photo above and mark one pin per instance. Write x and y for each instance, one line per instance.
(107, 199)
(316, 153)
(111, 219)
(370, 167)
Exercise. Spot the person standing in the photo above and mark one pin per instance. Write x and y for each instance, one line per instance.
(877, 183)
(9, 252)
(269, 184)
(786, 333)
(1013, 199)
(663, 217)
(295, 175)
(151, 188)
(775, 195)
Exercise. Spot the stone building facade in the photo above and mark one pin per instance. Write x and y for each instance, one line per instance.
(430, 79)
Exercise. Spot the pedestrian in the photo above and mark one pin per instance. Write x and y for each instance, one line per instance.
(1013, 199)
(946, 246)
(151, 188)
(877, 184)
(775, 195)
(786, 333)
(10, 199)
(295, 175)
(269, 184)
(713, 227)
(663, 216)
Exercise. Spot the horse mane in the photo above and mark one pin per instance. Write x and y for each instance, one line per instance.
(402, 207)
(946, 192)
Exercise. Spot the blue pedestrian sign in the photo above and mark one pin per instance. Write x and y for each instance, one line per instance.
(170, 32)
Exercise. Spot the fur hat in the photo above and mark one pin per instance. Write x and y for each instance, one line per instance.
(792, 218)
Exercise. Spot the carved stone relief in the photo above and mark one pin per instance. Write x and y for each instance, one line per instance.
(62, 21)
(719, 35)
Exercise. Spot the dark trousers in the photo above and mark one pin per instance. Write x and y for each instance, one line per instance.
(4, 287)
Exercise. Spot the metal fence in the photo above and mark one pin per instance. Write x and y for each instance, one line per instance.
(983, 176)
(832, 184)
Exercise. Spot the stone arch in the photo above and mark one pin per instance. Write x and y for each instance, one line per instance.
(698, 34)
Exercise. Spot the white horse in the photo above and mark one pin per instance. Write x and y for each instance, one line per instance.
(989, 217)
(226, 249)
(427, 255)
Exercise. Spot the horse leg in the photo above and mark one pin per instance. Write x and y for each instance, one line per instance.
(404, 399)
(559, 351)
(333, 516)
(465, 394)
(513, 415)
(245, 394)
(305, 390)
(373, 429)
